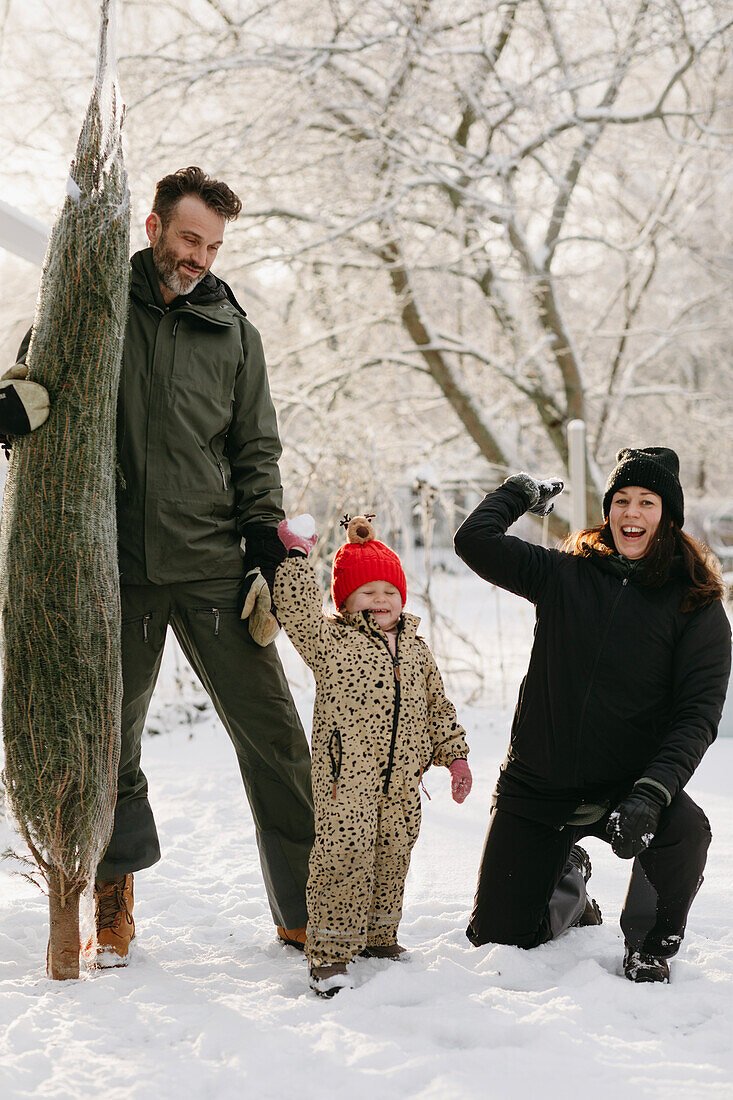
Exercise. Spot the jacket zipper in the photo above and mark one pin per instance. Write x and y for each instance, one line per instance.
(221, 468)
(586, 699)
(153, 370)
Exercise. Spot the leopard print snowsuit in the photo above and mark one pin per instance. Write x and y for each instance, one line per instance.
(378, 724)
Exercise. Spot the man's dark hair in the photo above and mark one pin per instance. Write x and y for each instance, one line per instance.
(193, 181)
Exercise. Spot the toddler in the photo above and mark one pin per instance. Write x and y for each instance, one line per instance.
(381, 719)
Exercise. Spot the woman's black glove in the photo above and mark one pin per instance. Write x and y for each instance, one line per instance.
(539, 494)
(635, 820)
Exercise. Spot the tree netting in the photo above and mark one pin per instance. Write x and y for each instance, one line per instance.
(59, 584)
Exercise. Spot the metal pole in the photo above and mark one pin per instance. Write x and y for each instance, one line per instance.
(576, 470)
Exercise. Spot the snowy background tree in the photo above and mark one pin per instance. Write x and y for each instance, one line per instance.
(465, 224)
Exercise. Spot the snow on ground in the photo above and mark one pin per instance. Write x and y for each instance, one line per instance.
(213, 1007)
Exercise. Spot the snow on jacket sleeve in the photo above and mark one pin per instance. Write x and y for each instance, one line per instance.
(299, 602)
(253, 443)
(701, 669)
(448, 738)
(481, 541)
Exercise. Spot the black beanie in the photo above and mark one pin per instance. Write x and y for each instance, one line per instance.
(654, 468)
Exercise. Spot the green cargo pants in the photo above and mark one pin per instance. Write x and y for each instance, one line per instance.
(248, 688)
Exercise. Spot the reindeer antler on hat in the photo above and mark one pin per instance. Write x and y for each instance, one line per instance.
(359, 528)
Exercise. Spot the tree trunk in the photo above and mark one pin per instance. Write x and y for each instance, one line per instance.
(63, 941)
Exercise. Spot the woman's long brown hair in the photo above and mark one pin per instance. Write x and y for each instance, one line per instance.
(701, 568)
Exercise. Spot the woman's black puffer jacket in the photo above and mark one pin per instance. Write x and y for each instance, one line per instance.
(621, 684)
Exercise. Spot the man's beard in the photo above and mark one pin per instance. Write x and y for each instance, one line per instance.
(168, 270)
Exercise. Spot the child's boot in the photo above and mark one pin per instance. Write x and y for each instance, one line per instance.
(327, 980)
(385, 951)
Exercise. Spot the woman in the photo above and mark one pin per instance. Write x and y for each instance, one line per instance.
(622, 697)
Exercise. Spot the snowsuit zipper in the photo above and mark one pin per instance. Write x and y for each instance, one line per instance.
(335, 753)
(396, 713)
(395, 721)
(423, 787)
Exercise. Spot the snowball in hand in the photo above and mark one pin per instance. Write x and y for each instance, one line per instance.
(304, 525)
(298, 533)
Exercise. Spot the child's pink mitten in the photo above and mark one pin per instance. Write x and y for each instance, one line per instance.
(298, 533)
(461, 780)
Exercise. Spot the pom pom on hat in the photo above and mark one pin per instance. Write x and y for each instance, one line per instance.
(363, 559)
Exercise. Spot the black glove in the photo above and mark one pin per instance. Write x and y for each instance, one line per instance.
(539, 494)
(264, 551)
(635, 820)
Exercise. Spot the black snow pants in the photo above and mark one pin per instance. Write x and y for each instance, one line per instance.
(248, 688)
(528, 892)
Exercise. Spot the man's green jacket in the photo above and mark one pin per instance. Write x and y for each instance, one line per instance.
(198, 444)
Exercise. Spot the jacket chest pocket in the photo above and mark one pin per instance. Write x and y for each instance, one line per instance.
(205, 359)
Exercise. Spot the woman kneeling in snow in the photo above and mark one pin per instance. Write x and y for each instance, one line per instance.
(623, 695)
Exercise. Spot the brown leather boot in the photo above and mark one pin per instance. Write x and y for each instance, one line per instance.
(113, 901)
(293, 937)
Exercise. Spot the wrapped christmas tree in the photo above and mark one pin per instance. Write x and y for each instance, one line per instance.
(59, 585)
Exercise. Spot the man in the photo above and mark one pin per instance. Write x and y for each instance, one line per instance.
(198, 452)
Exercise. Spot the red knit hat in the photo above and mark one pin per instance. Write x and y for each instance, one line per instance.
(362, 559)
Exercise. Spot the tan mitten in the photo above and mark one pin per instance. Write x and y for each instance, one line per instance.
(256, 586)
(18, 370)
(263, 626)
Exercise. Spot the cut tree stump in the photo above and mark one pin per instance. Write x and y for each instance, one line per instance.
(62, 961)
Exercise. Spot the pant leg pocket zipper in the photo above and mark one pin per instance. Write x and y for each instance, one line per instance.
(215, 612)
